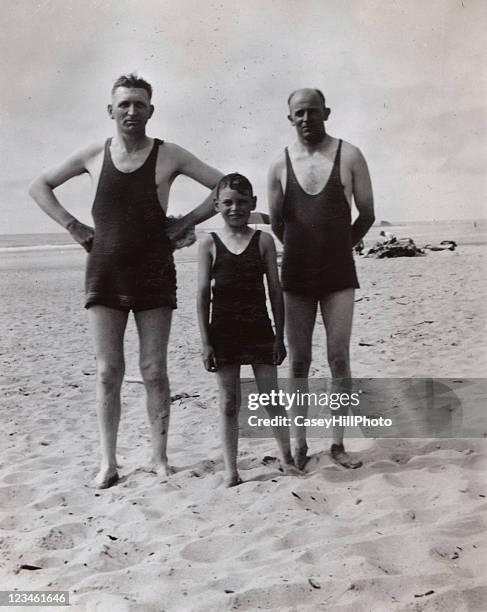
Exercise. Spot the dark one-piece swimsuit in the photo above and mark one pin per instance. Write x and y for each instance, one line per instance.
(240, 328)
(317, 256)
(131, 265)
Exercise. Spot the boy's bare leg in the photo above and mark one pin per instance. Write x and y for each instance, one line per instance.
(337, 312)
(300, 321)
(153, 327)
(266, 379)
(229, 390)
(107, 327)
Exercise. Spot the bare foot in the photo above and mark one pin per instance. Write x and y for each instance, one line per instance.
(233, 480)
(338, 454)
(301, 456)
(285, 465)
(289, 468)
(161, 468)
(106, 478)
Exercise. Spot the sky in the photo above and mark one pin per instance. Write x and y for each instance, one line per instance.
(406, 82)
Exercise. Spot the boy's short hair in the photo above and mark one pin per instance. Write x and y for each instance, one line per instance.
(132, 81)
(236, 181)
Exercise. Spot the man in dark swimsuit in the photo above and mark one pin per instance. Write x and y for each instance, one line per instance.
(311, 188)
(130, 265)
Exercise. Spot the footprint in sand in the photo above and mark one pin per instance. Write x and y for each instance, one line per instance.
(213, 549)
(56, 460)
(19, 477)
(10, 523)
(14, 497)
(64, 536)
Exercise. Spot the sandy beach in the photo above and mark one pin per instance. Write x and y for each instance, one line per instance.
(406, 532)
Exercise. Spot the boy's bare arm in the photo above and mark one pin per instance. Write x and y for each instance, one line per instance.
(203, 300)
(275, 197)
(363, 197)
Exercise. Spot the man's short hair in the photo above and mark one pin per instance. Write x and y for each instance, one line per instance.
(235, 181)
(132, 81)
(318, 92)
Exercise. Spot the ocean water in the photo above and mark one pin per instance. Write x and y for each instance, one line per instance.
(35, 241)
(424, 232)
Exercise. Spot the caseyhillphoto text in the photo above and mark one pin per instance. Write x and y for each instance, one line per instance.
(326, 422)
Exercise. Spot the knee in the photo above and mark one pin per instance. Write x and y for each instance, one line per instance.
(110, 375)
(299, 367)
(154, 373)
(229, 403)
(339, 363)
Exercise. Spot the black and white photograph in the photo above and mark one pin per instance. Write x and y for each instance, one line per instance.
(243, 343)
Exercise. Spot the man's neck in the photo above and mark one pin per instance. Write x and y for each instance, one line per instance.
(304, 146)
(131, 143)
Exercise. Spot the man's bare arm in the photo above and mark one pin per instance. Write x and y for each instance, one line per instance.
(191, 166)
(363, 197)
(275, 198)
(268, 252)
(269, 256)
(42, 191)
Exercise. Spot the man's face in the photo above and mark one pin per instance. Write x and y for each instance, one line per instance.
(130, 109)
(307, 114)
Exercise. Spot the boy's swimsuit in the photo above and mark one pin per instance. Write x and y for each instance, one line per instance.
(240, 328)
(317, 257)
(131, 264)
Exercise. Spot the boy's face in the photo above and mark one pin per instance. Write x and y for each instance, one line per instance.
(235, 207)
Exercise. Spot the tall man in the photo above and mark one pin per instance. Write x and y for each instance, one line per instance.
(311, 188)
(130, 263)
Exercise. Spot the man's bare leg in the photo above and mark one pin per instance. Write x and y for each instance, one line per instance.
(266, 379)
(337, 312)
(153, 327)
(107, 327)
(229, 391)
(300, 321)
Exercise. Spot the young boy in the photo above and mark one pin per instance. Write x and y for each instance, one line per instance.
(240, 331)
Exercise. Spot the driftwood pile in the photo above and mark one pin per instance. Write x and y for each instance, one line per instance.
(404, 247)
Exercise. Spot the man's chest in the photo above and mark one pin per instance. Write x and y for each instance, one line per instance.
(162, 173)
(313, 172)
(130, 162)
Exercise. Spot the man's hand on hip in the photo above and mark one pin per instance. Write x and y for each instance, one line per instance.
(180, 232)
(83, 234)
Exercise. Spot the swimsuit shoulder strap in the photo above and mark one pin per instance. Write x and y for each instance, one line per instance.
(107, 157)
(289, 165)
(256, 238)
(291, 180)
(336, 164)
(218, 242)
